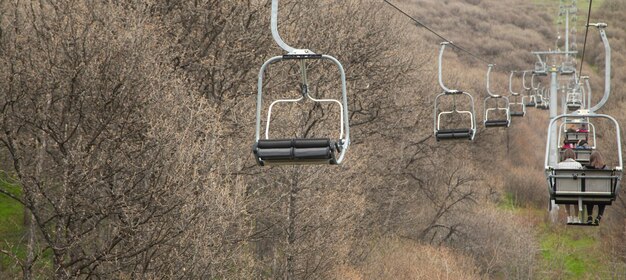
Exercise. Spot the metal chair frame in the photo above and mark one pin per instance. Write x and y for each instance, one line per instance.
(438, 113)
(506, 109)
(517, 99)
(580, 186)
(302, 56)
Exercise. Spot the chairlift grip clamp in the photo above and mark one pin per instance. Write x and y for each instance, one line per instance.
(302, 54)
(599, 25)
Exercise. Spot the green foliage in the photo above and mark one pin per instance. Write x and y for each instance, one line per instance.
(11, 211)
(11, 224)
(572, 253)
(508, 202)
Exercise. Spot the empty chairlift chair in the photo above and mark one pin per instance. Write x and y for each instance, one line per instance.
(545, 99)
(574, 99)
(517, 105)
(269, 151)
(502, 114)
(444, 131)
(536, 91)
(531, 97)
(541, 67)
(568, 67)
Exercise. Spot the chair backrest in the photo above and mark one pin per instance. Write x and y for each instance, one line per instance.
(601, 181)
(583, 182)
(571, 136)
(583, 154)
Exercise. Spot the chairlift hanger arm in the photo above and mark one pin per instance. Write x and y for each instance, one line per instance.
(524, 81)
(540, 59)
(582, 57)
(278, 39)
(588, 90)
(532, 83)
(489, 67)
(445, 89)
(607, 67)
(511, 84)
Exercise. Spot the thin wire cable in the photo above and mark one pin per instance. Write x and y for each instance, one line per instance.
(582, 56)
(436, 34)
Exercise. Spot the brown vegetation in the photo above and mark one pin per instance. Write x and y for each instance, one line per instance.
(129, 127)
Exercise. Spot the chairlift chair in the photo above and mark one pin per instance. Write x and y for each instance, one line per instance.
(541, 69)
(517, 100)
(568, 67)
(545, 100)
(450, 133)
(531, 102)
(518, 103)
(271, 151)
(539, 100)
(575, 136)
(574, 100)
(531, 97)
(585, 186)
(582, 186)
(490, 121)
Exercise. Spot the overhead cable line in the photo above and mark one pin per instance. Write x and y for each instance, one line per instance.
(582, 58)
(419, 23)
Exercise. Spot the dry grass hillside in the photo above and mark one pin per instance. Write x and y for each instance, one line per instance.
(127, 127)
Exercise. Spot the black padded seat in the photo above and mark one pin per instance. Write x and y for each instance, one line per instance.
(456, 133)
(296, 151)
(573, 107)
(517, 114)
(540, 73)
(531, 104)
(583, 224)
(496, 123)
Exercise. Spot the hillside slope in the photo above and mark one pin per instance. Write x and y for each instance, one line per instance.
(127, 131)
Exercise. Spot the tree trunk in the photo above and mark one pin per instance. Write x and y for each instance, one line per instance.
(291, 224)
(27, 269)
